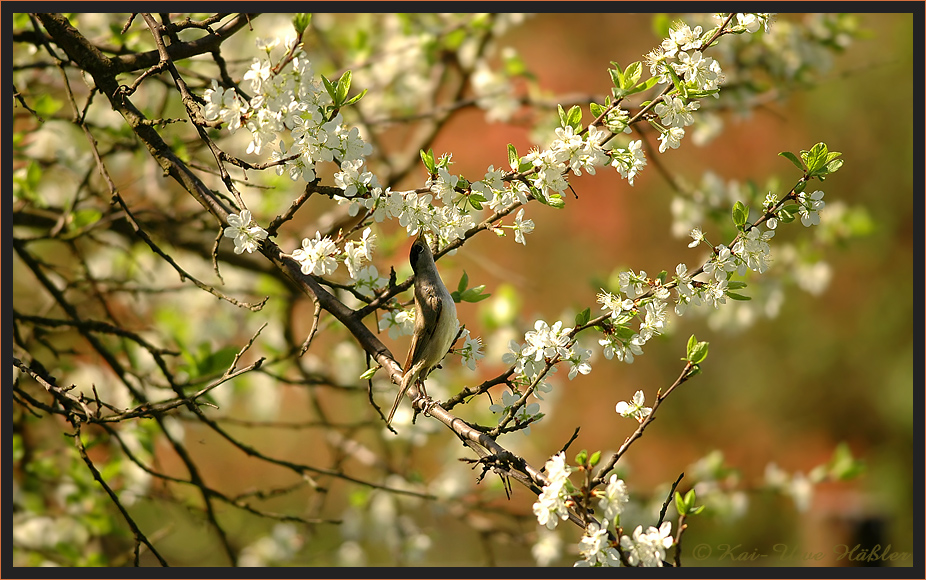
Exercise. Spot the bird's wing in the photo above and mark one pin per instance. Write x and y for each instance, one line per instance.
(428, 310)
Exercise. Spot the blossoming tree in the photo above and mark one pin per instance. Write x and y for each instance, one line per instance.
(144, 350)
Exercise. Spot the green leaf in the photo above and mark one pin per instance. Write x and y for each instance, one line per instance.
(648, 84)
(833, 166)
(513, 159)
(697, 352)
(343, 88)
(46, 105)
(556, 201)
(462, 294)
(843, 466)
(596, 109)
(690, 498)
(686, 505)
(332, 90)
(355, 98)
(301, 22)
(740, 214)
(428, 160)
(574, 118)
(515, 66)
(698, 94)
(680, 506)
(816, 158)
(792, 158)
(583, 317)
(662, 277)
(215, 362)
(595, 458)
(632, 75)
(474, 294)
(681, 87)
(617, 76)
(581, 457)
(84, 217)
(464, 282)
(368, 374)
(736, 296)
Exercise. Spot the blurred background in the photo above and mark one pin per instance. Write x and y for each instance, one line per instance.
(830, 366)
(835, 366)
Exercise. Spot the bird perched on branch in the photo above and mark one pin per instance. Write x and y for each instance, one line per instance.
(435, 321)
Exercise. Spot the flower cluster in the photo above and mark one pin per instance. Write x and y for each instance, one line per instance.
(247, 237)
(291, 101)
(354, 181)
(550, 506)
(680, 60)
(648, 549)
(288, 98)
(595, 548)
(317, 257)
(320, 257)
(546, 343)
(619, 341)
(613, 499)
(524, 414)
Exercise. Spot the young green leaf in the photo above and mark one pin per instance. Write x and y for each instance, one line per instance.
(428, 160)
(301, 22)
(740, 214)
(680, 505)
(343, 89)
(574, 118)
(697, 351)
(792, 158)
(332, 90)
(513, 159)
(355, 98)
(632, 75)
(464, 282)
(583, 317)
(648, 84)
(617, 76)
(581, 457)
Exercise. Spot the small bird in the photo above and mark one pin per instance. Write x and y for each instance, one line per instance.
(435, 321)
